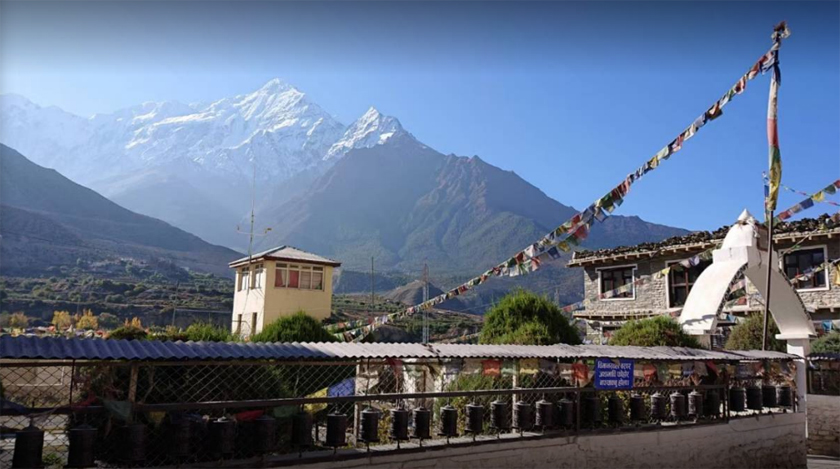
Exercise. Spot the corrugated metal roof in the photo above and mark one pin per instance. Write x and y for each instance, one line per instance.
(287, 253)
(828, 356)
(58, 348)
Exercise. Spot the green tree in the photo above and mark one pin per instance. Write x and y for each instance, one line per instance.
(108, 321)
(827, 343)
(652, 332)
(298, 327)
(19, 321)
(748, 334)
(522, 317)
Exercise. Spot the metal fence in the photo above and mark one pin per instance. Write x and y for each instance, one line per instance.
(165, 413)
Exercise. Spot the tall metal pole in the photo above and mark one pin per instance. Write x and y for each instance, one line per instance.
(371, 284)
(769, 216)
(425, 298)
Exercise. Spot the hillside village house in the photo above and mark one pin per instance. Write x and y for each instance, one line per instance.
(801, 245)
(279, 282)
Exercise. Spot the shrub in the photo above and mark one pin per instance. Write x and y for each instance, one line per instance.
(523, 317)
(128, 332)
(18, 320)
(62, 320)
(652, 332)
(827, 343)
(298, 327)
(87, 321)
(108, 321)
(748, 334)
(206, 332)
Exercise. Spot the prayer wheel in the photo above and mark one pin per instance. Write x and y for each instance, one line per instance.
(768, 395)
(222, 434)
(615, 410)
(695, 404)
(179, 432)
(448, 421)
(265, 433)
(567, 413)
(591, 410)
(737, 399)
(711, 405)
(637, 407)
(475, 419)
(29, 448)
(336, 430)
(545, 414)
(754, 398)
(301, 429)
(369, 430)
(499, 416)
(422, 423)
(133, 438)
(399, 425)
(785, 395)
(523, 416)
(82, 442)
(658, 409)
(678, 408)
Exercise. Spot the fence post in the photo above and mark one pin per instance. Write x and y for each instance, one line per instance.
(132, 388)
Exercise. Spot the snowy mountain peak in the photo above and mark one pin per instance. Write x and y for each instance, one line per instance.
(277, 126)
(373, 128)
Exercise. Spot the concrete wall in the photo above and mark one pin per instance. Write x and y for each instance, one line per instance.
(824, 425)
(270, 302)
(771, 441)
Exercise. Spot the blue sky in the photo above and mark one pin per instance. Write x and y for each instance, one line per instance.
(571, 96)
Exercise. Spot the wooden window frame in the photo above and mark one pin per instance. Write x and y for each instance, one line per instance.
(632, 267)
(825, 273)
(688, 283)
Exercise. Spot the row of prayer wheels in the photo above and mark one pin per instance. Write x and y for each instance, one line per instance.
(758, 398)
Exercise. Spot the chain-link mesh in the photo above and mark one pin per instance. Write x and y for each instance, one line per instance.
(168, 413)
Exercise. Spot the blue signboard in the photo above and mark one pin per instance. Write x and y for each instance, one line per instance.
(613, 374)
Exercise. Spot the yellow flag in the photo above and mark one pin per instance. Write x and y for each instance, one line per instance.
(312, 408)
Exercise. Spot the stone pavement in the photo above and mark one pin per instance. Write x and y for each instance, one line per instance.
(823, 462)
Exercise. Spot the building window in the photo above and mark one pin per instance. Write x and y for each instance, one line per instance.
(302, 277)
(680, 281)
(253, 323)
(616, 277)
(803, 260)
(243, 279)
(259, 273)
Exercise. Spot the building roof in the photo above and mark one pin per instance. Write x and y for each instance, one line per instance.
(59, 348)
(286, 253)
(702, 240)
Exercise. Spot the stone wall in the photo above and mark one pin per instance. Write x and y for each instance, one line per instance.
(770, 441)
(824, 425)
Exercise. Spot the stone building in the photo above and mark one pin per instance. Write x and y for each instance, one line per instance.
(801, 245)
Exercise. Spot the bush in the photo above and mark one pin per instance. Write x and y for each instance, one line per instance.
(525, 318)
(298, 327)
(62, 320)
(128, 332)
(827, 343)
(206, 332)
(19, 321)
(748, 334)
(652, 332)
(87, 321)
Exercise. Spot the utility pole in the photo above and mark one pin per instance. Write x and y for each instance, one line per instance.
(425, 298)
(371, 284)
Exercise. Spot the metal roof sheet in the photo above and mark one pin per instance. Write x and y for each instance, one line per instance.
(59, 348)
(826, 356)
(287, 253)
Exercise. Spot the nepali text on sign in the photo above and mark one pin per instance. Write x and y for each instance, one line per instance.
(613, 374)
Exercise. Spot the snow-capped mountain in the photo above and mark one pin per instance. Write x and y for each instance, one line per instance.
(192, 164)
(276, 126)
(371, 129)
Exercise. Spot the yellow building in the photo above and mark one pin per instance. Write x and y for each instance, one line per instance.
(280, 282)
